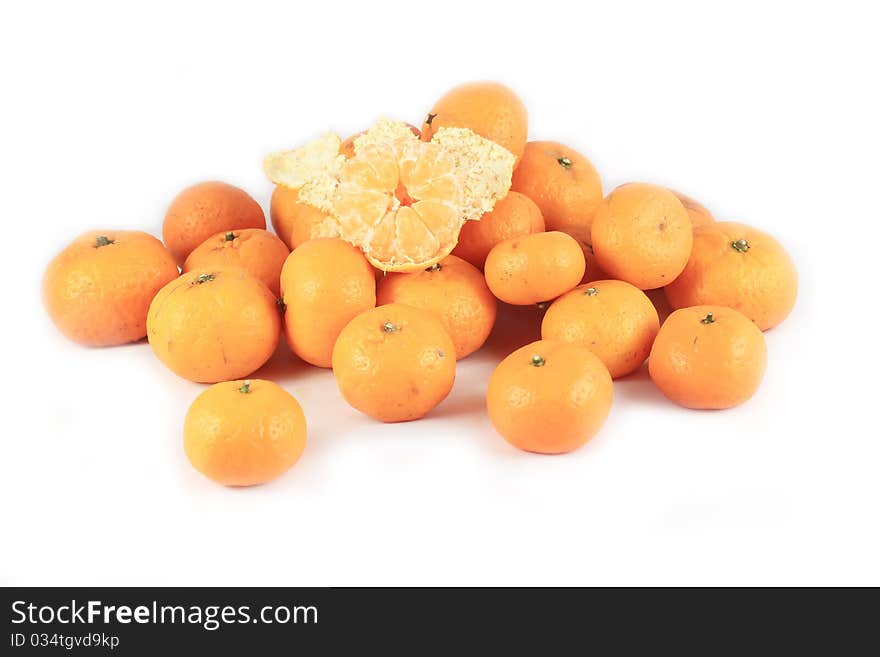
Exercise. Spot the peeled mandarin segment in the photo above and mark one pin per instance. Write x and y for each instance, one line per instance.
(359, 210)
(376, 168)
(424, 165)
(381, 244)
(443, 188)
(440, 219)
(415, 238)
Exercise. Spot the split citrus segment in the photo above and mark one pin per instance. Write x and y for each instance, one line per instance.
(401, 200)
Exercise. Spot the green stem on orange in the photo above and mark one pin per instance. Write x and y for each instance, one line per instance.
(230, 236)
(591, 291)
(564, 161)
(538, 361)
(435, 267)
(740, 245)
(245, 387)
(708, 319)
(102, 240)
(390, 327)
(203, 278)
(430, 118)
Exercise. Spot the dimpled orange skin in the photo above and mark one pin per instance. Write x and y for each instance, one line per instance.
(708, 357)
(244, 433)
(534, 268)
(395, 362)
(294, 222)
(563, 183)
(98, 289)
(549, 397)
(734, 265)
(488, 108)
(204, 210)
(257, 251)
(456, 292)
(613, 319)
(324, 284)
(513, 216)
(216, 325)
(698, 213)
(642, 234)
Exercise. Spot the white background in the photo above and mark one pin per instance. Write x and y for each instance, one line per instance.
(768, 113)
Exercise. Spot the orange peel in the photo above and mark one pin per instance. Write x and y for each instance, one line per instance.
(402, 201)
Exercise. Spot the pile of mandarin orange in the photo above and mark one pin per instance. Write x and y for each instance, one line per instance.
(391, 300)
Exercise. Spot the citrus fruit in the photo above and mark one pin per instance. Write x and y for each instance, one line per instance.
(243, 433)
(563, 183)
(214, 325)
(98, 289)
(708, 357)
(513, 216)
(642, 234)
(734, 265)
(394, 362)
(534, 268)
(549, 397)
(696, 211)
(613, 319)
(455, 291)
(401, 200)
(296, 222)
(204, 210)
(324, 284)
(488, 108)
(257, 251)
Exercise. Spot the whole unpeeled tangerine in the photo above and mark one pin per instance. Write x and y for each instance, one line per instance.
(564, 184)
(98, 290)
(613, 319)
(708, 357)
(395, 362)
(243, 433)
(205, 209)
(549, 396)
(325, 283)
(455, 291)
(258, 252)
(734, 265)
(216, 325)
(534, 268)
(642, 234)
